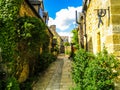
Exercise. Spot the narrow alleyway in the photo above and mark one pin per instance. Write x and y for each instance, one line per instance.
(57, 76)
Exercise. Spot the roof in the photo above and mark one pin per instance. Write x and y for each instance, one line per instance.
(33, 9)
(53, 30)
(85, 4)
(37, 2)
(36, 13)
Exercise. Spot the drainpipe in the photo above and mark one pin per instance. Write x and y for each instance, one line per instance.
(77, 18)
(79, 37)
(81, 31)
(84, 17)
(79, 28)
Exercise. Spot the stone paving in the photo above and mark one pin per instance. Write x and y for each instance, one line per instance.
(57, 76)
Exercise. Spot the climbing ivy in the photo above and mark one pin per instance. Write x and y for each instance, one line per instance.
(9, 11)
(30, 29)
(20, 40)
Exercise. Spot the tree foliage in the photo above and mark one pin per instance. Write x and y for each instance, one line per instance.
(9, 9)
(30, 29)
(75, 38)
(9, 12)
(66, 44)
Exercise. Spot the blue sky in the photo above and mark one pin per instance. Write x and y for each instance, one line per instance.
(62, 14)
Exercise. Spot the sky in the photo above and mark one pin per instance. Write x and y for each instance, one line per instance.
(62, 14)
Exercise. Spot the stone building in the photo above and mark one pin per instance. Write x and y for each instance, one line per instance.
(35, 8)
(39, 7)
(57, 40)
(99, 26)
(65, 38)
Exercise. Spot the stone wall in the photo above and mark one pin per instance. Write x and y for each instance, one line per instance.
(26, 10)
(50, 39)
(108, 34)
(115, 25)
(26, 63)
(95, 35)
(56, 36)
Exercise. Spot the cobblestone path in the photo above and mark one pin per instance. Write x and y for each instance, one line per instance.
(57, 76)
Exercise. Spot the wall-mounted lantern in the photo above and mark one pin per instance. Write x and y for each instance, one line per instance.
(101, 13)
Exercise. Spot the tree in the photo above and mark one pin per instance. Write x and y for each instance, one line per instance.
(75, 38)
(66, 44)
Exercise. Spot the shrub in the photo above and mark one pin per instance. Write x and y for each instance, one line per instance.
(43, 61)
(12, 84)
(94, 72)
(2, 79)
(80, 63)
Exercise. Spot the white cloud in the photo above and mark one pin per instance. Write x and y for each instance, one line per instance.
(51, 21)
(64, 18)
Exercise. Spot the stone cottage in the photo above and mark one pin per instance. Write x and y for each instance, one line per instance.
(33, 8)
(99, 26)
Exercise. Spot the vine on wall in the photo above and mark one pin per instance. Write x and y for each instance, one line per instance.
(20, 41)
(30, 35)
(9, 11)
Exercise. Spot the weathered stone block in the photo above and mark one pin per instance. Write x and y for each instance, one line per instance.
(115, 19)
(116, 38)
(24, 74)
(116, 29)
(117, 47)
(115, 9)
(115, 2)
(26, 10)
(117, 53)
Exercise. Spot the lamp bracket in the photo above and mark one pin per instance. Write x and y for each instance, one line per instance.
(101, 13)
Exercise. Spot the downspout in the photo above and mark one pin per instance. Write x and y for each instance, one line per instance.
(81, 32)
(79, 24)
(77, 18)
(84, 17)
